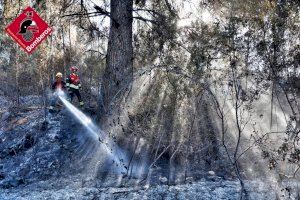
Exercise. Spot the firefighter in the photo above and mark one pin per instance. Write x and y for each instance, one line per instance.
(73, 85)
(57, 86)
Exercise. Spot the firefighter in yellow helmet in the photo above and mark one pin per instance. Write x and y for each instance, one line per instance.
(58, 84)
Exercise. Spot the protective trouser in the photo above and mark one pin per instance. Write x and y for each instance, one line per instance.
(76, 92)
(53, 101)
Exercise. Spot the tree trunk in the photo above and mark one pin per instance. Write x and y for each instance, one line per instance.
(118, 73)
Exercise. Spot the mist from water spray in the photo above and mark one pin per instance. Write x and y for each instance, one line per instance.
(109, 147)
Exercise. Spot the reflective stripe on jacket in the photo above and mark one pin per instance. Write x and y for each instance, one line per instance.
(73, 81)
(74, 86)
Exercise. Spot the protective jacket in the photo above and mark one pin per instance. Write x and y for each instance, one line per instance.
(59, 85)
(73, 81)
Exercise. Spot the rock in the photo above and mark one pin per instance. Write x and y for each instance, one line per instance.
(28, 141)
(5, 116)
(189, 179)
(24, 171)
(211, 173)
(214, 178)
(163, 179)
(44, 125)
(13, 182)
(2, 176)
(53, 137)
(90, 192)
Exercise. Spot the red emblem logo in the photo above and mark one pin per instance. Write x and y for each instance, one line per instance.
(28, 30)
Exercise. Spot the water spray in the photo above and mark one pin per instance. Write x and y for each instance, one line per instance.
(108, 146)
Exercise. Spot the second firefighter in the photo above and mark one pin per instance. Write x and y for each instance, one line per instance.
(73, 85)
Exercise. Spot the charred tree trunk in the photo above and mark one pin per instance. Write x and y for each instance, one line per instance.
(119, 60)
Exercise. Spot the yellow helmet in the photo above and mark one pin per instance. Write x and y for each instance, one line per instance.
(58, 75)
